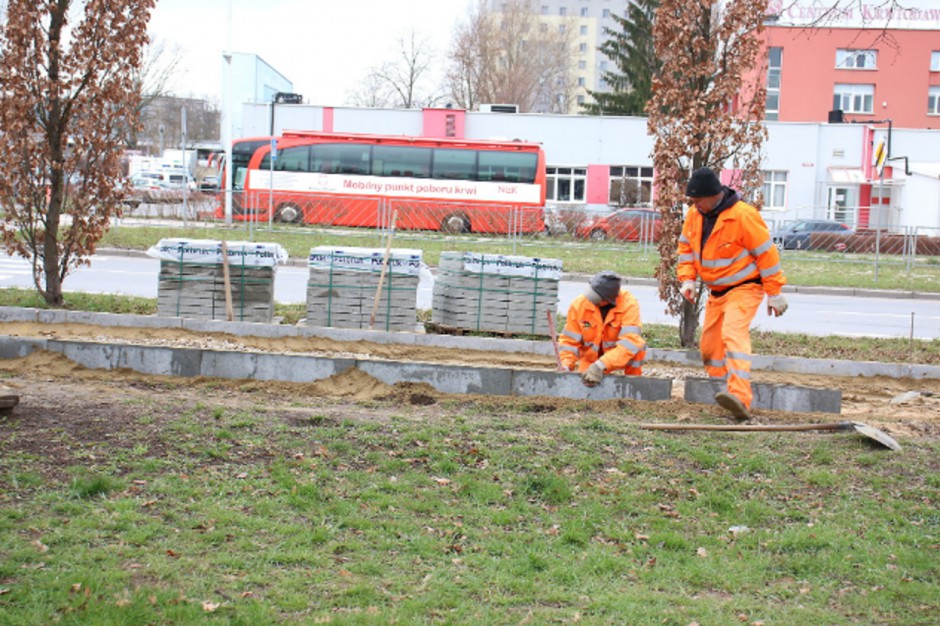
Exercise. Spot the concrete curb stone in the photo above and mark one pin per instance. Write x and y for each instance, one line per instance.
(822, 367)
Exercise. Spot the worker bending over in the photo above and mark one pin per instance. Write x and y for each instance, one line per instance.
(603, 331)
(725, 243)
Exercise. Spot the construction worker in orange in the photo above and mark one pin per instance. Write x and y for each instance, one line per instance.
(603, 331)
(725, 243)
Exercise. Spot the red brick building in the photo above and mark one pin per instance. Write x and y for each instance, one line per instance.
(865, 60)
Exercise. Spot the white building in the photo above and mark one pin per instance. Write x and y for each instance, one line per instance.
(813, 170)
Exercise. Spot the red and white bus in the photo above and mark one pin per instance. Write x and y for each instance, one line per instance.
(242, 151)
(431, 184)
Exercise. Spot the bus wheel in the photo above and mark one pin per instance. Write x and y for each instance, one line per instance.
(598, 234)
(455, 223)
(288, 214)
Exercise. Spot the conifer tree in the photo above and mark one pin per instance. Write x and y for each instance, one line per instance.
(633, 53)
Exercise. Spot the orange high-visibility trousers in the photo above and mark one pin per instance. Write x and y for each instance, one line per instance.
(726, 338)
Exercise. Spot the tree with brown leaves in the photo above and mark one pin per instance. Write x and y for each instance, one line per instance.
(67, 95)
(702, 115)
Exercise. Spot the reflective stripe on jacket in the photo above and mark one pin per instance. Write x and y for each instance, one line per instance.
(586, 337)
(738, 249)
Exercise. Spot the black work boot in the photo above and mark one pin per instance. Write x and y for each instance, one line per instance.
(733, 405)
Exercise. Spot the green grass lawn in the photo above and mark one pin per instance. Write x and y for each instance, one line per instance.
(142, 500)
(246, 508)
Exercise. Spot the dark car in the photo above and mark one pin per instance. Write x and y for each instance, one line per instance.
(796, 236)
(623, 225)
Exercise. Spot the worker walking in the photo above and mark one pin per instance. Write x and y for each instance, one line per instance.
(603, 331)
(725, 243)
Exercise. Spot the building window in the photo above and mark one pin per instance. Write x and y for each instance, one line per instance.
(580, 99)
(856, 59)
(582, 65)
(565, 184)
(584, 11)
(774, 68)
(933, 101)
(582, 48)
(561, 29)
(605, 13)
(935, 61)
(544, 9)
(602, 66)
(584, 30)
(562, 11)
(880, 195)
(775, 190)
(543, 27)
(631, 185)
(581, 81)
(853, 98)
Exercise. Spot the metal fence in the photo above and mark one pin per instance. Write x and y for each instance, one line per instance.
(512, 229)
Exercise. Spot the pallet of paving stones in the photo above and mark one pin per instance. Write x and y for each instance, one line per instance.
(343, 282)
(197, 290)
(495, 293)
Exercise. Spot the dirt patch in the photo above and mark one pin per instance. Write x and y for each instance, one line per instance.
(901, 407)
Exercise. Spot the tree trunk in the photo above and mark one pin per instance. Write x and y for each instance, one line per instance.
(688, 324)
(52, 291)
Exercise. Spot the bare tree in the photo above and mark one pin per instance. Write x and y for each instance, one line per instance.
(513, 56)
(152, 79)
(372, 92)
(66, 95)
(402, 83)
(700, 118)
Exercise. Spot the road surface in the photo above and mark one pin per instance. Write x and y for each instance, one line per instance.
(810, 314)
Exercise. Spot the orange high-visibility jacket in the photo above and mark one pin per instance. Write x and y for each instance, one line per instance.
(587, 337)
(738, 249)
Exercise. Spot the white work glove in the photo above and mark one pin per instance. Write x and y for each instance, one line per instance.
(776, 305)
(688, 290)
(593, 374)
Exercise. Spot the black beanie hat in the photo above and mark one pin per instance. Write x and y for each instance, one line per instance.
(606, 284)
(703, 183)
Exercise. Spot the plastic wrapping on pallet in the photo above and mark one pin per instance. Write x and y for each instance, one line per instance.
(506, 264)
(405, 261)
(209, 251)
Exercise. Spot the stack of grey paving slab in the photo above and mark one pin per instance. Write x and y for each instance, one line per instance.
(495, 292)
(342, 286)
(192, 279)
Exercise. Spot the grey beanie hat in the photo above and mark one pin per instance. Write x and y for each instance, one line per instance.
(606, 284)
(703, 183)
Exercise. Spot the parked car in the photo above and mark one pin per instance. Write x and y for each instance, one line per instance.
(150, 189)
(178, 180)
(623, 225)
(796, 236)
(209, 183)
(554, 225)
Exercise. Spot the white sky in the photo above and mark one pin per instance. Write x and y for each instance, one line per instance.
(325, 47)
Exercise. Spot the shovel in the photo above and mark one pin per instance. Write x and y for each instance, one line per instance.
(868, 431)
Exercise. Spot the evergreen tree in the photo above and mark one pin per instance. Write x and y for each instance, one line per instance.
(632, 52)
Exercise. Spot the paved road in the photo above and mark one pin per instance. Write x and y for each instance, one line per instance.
(809, 313)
